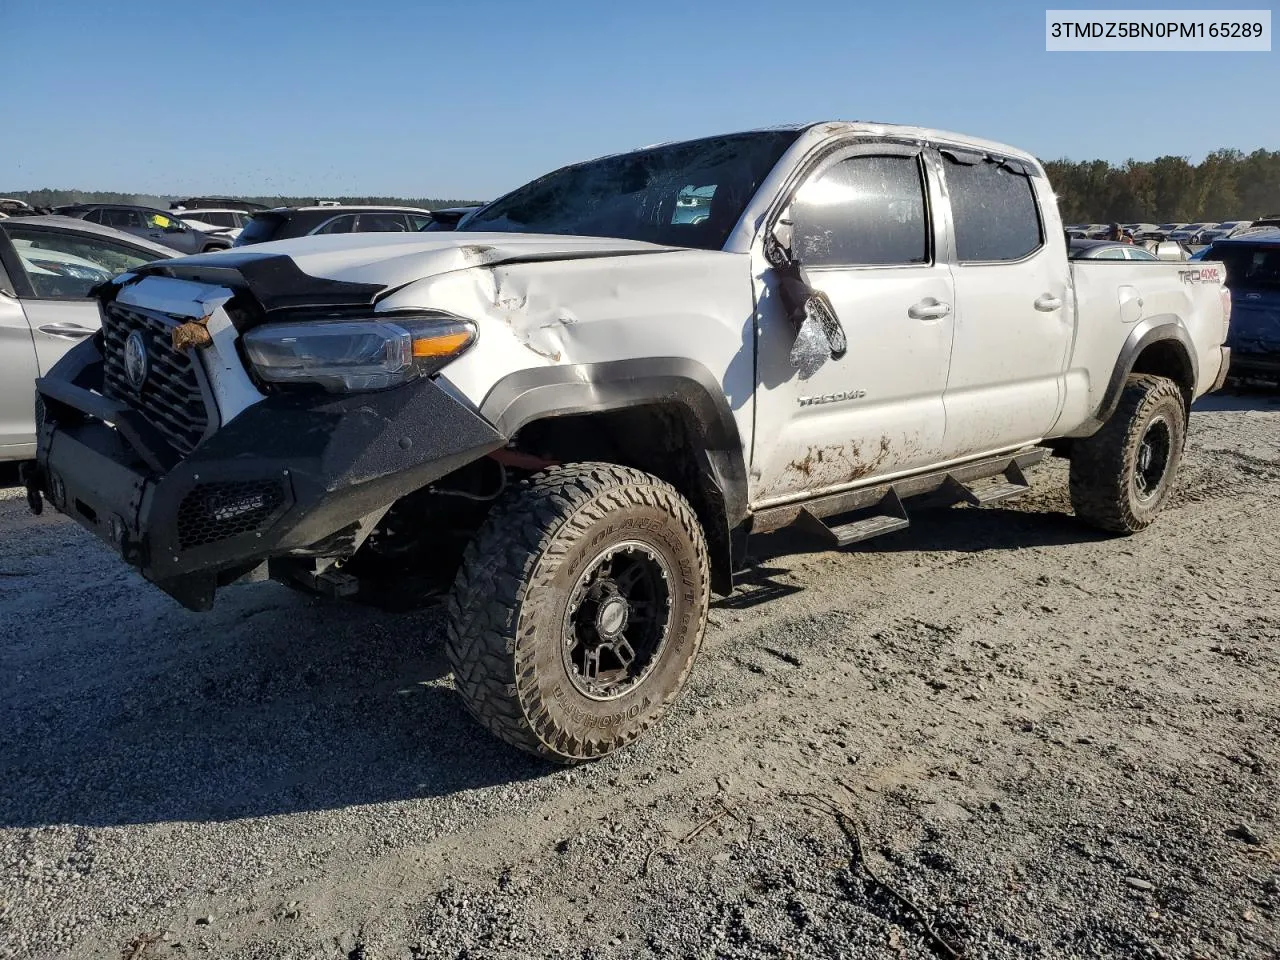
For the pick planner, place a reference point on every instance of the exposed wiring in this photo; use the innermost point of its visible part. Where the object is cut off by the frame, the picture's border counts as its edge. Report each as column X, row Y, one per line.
column 478, row 497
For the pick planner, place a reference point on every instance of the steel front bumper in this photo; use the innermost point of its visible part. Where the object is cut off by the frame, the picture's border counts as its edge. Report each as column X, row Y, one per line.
column 290, row 476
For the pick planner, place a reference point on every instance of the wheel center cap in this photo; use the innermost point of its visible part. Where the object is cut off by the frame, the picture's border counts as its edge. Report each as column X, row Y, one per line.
column 611, row 619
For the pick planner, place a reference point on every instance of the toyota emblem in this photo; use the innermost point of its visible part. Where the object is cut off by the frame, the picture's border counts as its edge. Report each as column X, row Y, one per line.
column 136, row 362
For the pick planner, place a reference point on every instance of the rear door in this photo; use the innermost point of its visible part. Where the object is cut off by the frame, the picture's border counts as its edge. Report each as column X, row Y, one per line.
column 1014, row 319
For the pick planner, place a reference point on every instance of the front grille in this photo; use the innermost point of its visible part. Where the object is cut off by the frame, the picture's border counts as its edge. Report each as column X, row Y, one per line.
column 216, row 511
column 170, row 397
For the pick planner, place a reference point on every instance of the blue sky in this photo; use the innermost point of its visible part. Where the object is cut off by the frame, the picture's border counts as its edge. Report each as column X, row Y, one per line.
column 454, row 99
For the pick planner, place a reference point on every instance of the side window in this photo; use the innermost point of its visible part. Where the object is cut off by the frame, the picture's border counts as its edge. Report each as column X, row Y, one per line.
column 862, row 211
column 94, row 216
column 1110, row 253
column 68, row 265
column 160, row 221
column 417, row 223
column 338, row 225
column 994, row 210
column 121, row 219
column 381, row 223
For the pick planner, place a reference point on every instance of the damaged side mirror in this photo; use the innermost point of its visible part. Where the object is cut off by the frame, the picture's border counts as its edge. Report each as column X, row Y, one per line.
column 820, row 337
column 777, row 246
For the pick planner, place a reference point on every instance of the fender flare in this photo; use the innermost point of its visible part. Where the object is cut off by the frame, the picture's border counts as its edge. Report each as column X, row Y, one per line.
column 1149, row 330
column 546, row 392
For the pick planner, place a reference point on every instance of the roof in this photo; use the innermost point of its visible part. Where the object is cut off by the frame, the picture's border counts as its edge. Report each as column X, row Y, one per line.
column 821, row 129
column 1267, row 235
column 343, row 208
column 56, row 222
column 113, row 206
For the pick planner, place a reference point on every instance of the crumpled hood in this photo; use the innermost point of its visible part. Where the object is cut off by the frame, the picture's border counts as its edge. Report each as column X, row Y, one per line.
column 390, row 260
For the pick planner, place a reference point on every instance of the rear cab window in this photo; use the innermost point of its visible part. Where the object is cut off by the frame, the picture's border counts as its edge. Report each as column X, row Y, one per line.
column 993, row 208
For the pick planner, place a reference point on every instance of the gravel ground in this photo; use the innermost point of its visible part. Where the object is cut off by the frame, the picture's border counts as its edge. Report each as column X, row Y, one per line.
column 1054, row 744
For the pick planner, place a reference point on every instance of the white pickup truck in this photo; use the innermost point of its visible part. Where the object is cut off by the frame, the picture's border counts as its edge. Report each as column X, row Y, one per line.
column 568, row 416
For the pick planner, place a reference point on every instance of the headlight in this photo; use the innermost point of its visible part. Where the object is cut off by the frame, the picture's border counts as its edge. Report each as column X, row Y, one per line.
column 346, row 356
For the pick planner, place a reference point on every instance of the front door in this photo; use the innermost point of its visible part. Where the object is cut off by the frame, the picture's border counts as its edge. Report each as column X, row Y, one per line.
column 863, row 233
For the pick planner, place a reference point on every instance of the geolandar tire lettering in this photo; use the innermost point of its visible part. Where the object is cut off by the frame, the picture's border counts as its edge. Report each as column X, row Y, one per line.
column 579, row 609
column 1123, row 475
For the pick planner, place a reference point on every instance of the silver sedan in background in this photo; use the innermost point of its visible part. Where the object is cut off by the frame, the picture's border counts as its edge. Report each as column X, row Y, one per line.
column 48, row 265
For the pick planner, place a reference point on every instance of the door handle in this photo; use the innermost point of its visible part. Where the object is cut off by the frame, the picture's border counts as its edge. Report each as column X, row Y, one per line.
column 1047, row 303
column 928, row 309
column 67, row 331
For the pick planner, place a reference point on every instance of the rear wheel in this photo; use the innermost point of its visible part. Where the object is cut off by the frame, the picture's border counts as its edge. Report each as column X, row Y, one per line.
column 578, row 610
column 1123, row 475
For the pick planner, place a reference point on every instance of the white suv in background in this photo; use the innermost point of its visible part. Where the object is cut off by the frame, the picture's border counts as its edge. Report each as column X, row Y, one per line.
column 229, row 223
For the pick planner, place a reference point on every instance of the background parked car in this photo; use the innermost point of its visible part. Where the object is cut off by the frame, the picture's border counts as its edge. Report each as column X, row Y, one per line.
column 1228, row 228
column 1107, row 250
column 283, row 223
column 1191, row 232
column 220, row 203
column 16, row 208
column 1163, row 231
column 449, row 217
column 225, row 222
column 159, row 225
column 48, row 264
column 1252, row 262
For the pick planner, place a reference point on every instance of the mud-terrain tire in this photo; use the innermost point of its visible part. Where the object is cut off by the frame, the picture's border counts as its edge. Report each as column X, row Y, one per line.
column 1123, row 475
column 574, row 570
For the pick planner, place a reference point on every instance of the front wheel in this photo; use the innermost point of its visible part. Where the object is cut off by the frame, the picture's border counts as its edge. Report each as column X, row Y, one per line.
column 1122, row 476
column 578, row 610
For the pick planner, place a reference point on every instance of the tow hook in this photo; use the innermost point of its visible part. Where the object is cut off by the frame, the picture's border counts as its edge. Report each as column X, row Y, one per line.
column 29, row 476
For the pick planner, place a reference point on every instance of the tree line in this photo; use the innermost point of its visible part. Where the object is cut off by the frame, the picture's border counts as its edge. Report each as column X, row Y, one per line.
column 1226, row 185
column 60, row 198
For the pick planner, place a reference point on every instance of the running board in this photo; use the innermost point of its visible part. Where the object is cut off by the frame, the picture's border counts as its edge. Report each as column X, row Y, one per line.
column 879, row 508
column 889, row 515
column 1016, row 484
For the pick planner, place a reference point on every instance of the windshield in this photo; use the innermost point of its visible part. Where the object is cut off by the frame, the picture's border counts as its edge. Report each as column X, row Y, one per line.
column 682, row 194
column 259, row 229
column 1249, row 266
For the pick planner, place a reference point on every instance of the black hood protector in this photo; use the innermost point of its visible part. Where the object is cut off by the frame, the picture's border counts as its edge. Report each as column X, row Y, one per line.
column 272, row 279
